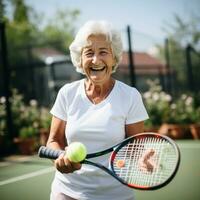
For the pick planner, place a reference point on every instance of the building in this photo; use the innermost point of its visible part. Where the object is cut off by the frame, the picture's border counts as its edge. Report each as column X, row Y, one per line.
column 145, row 67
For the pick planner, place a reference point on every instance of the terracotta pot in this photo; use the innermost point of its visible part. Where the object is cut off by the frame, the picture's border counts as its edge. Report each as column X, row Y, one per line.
column 174, row 131
column 195, row 131
column 26, row 146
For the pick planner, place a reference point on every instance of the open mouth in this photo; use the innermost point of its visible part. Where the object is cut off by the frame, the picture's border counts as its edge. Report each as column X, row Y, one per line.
column 97, row 68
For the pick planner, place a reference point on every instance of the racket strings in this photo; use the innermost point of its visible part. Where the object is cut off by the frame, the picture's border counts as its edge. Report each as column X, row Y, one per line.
column 148, row 161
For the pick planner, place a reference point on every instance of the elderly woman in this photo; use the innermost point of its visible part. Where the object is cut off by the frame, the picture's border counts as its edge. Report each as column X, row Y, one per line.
column 98, row 111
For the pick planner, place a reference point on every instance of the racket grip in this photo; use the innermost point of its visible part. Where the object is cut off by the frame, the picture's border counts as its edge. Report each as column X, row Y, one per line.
column 45, row 152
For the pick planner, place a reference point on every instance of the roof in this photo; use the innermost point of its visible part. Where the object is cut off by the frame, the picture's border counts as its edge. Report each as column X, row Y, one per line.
column 50, row 55
column 143, row 63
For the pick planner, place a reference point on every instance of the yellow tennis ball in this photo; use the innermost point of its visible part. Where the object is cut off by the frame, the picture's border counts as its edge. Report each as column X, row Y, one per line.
column 76, row 152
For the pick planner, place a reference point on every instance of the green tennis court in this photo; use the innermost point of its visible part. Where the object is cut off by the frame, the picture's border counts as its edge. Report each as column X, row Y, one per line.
column 23, row 178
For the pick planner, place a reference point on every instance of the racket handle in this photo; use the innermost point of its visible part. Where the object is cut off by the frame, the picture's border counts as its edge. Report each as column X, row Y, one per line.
column 45, row 152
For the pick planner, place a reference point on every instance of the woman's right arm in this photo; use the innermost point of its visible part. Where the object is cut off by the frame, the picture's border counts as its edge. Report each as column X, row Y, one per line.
column 57, row 140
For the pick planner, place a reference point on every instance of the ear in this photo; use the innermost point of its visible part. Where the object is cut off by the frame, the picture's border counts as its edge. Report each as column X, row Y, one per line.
column 114, row 62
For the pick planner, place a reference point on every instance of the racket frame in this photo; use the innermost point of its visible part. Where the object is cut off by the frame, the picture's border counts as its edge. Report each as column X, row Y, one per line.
column 143, row 135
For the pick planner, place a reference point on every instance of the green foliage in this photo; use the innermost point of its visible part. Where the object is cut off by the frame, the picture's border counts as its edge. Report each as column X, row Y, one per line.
column 28, row 119
column 45, row 118
column 27, row 132
column 24, row 31
column 184, row 111
column 2, row 10
column 20, row 14
column 157, row 103
column 25, row 117
column 20, row 32
column 59, row 30
column 162, row 108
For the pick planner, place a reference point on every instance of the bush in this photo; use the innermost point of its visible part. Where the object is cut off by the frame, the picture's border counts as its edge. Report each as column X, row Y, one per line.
column 28, row 119
column 162, row 108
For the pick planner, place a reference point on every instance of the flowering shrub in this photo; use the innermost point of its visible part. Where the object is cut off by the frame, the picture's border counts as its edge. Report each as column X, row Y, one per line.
column 162, row 108
column 184, row 111
column 45, row 118
column 157, row 104
column 27, row 119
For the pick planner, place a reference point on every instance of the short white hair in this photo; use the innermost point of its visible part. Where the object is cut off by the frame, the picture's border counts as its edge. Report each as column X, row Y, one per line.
column 95, row 28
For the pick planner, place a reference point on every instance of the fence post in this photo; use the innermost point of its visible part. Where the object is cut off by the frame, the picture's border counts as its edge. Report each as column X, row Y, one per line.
column 6, row 81
column 131, row 59
column 189, row 68
column 167, row 58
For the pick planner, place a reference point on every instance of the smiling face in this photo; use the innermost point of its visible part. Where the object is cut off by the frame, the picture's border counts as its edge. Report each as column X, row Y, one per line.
column 97, row 59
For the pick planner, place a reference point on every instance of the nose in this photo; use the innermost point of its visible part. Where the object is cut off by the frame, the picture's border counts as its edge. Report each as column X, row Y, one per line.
column 95, row 59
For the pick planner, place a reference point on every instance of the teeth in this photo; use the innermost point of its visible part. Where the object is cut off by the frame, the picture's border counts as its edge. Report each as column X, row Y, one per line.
column 97, row 68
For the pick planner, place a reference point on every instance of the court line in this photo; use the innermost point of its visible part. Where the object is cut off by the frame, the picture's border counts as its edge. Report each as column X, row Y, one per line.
column 26, row 176
column 187, row 146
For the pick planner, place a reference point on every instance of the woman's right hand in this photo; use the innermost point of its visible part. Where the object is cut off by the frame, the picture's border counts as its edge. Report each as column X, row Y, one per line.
column 64, row 165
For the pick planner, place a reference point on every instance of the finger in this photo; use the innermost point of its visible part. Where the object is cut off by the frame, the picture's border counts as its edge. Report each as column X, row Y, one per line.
column 76, row 166
column 59, row 163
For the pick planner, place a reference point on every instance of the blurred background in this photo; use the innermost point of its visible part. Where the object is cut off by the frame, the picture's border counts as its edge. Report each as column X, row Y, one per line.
column 161, row 59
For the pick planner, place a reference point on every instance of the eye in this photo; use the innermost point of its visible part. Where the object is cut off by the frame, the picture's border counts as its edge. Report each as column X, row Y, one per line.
column 88, row 54
column 103, row 53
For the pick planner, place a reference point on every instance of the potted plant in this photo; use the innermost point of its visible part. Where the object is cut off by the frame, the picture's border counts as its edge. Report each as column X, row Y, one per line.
column 157, row 103
column 27, row 140
column 30, row 122
column 167, row 116
column 25, row 123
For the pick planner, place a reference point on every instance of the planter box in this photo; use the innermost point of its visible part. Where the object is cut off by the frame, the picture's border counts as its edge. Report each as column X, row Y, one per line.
column 26, row 146
column 195, row 131
column 174, row 131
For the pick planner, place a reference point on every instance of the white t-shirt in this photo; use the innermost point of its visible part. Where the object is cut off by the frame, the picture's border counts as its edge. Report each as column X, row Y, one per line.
column 98, row 127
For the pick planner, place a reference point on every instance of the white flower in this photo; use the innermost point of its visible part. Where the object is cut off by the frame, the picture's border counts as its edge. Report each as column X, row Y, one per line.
column 33, row 102
column 173, row 106
column 147, row 95
column 156, row 96
column 35, row 125
column 188, row 101
column 183, row 96
column 168, row 97
column 2, row 100
column 22, row 108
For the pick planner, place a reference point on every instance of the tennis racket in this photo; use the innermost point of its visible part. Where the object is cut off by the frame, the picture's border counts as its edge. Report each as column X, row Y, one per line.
column 145, row 161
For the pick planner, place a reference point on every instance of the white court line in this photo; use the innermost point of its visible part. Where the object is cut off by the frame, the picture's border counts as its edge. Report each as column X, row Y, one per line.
column 26, row 176
column 186, row 146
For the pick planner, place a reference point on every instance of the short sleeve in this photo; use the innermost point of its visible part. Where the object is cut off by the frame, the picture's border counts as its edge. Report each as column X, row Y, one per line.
column 137, row 111
column 59, row 108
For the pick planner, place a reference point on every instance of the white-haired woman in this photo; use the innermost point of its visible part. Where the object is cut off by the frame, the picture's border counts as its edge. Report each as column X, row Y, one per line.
column 98, row 111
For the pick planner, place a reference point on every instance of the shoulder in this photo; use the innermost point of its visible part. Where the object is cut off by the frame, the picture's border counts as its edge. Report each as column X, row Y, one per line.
column 68, row 91
column 70, row 88
column 127, row 90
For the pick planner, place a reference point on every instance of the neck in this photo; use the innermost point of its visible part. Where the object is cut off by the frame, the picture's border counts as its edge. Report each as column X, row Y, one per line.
column 98, row 92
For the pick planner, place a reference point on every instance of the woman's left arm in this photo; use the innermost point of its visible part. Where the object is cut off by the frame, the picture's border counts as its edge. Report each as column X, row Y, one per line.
column 132, row 129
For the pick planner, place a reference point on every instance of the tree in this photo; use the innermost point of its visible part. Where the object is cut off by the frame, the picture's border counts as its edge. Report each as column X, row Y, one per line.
column 2, row 10
column 21, row 11
column 60, row 29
